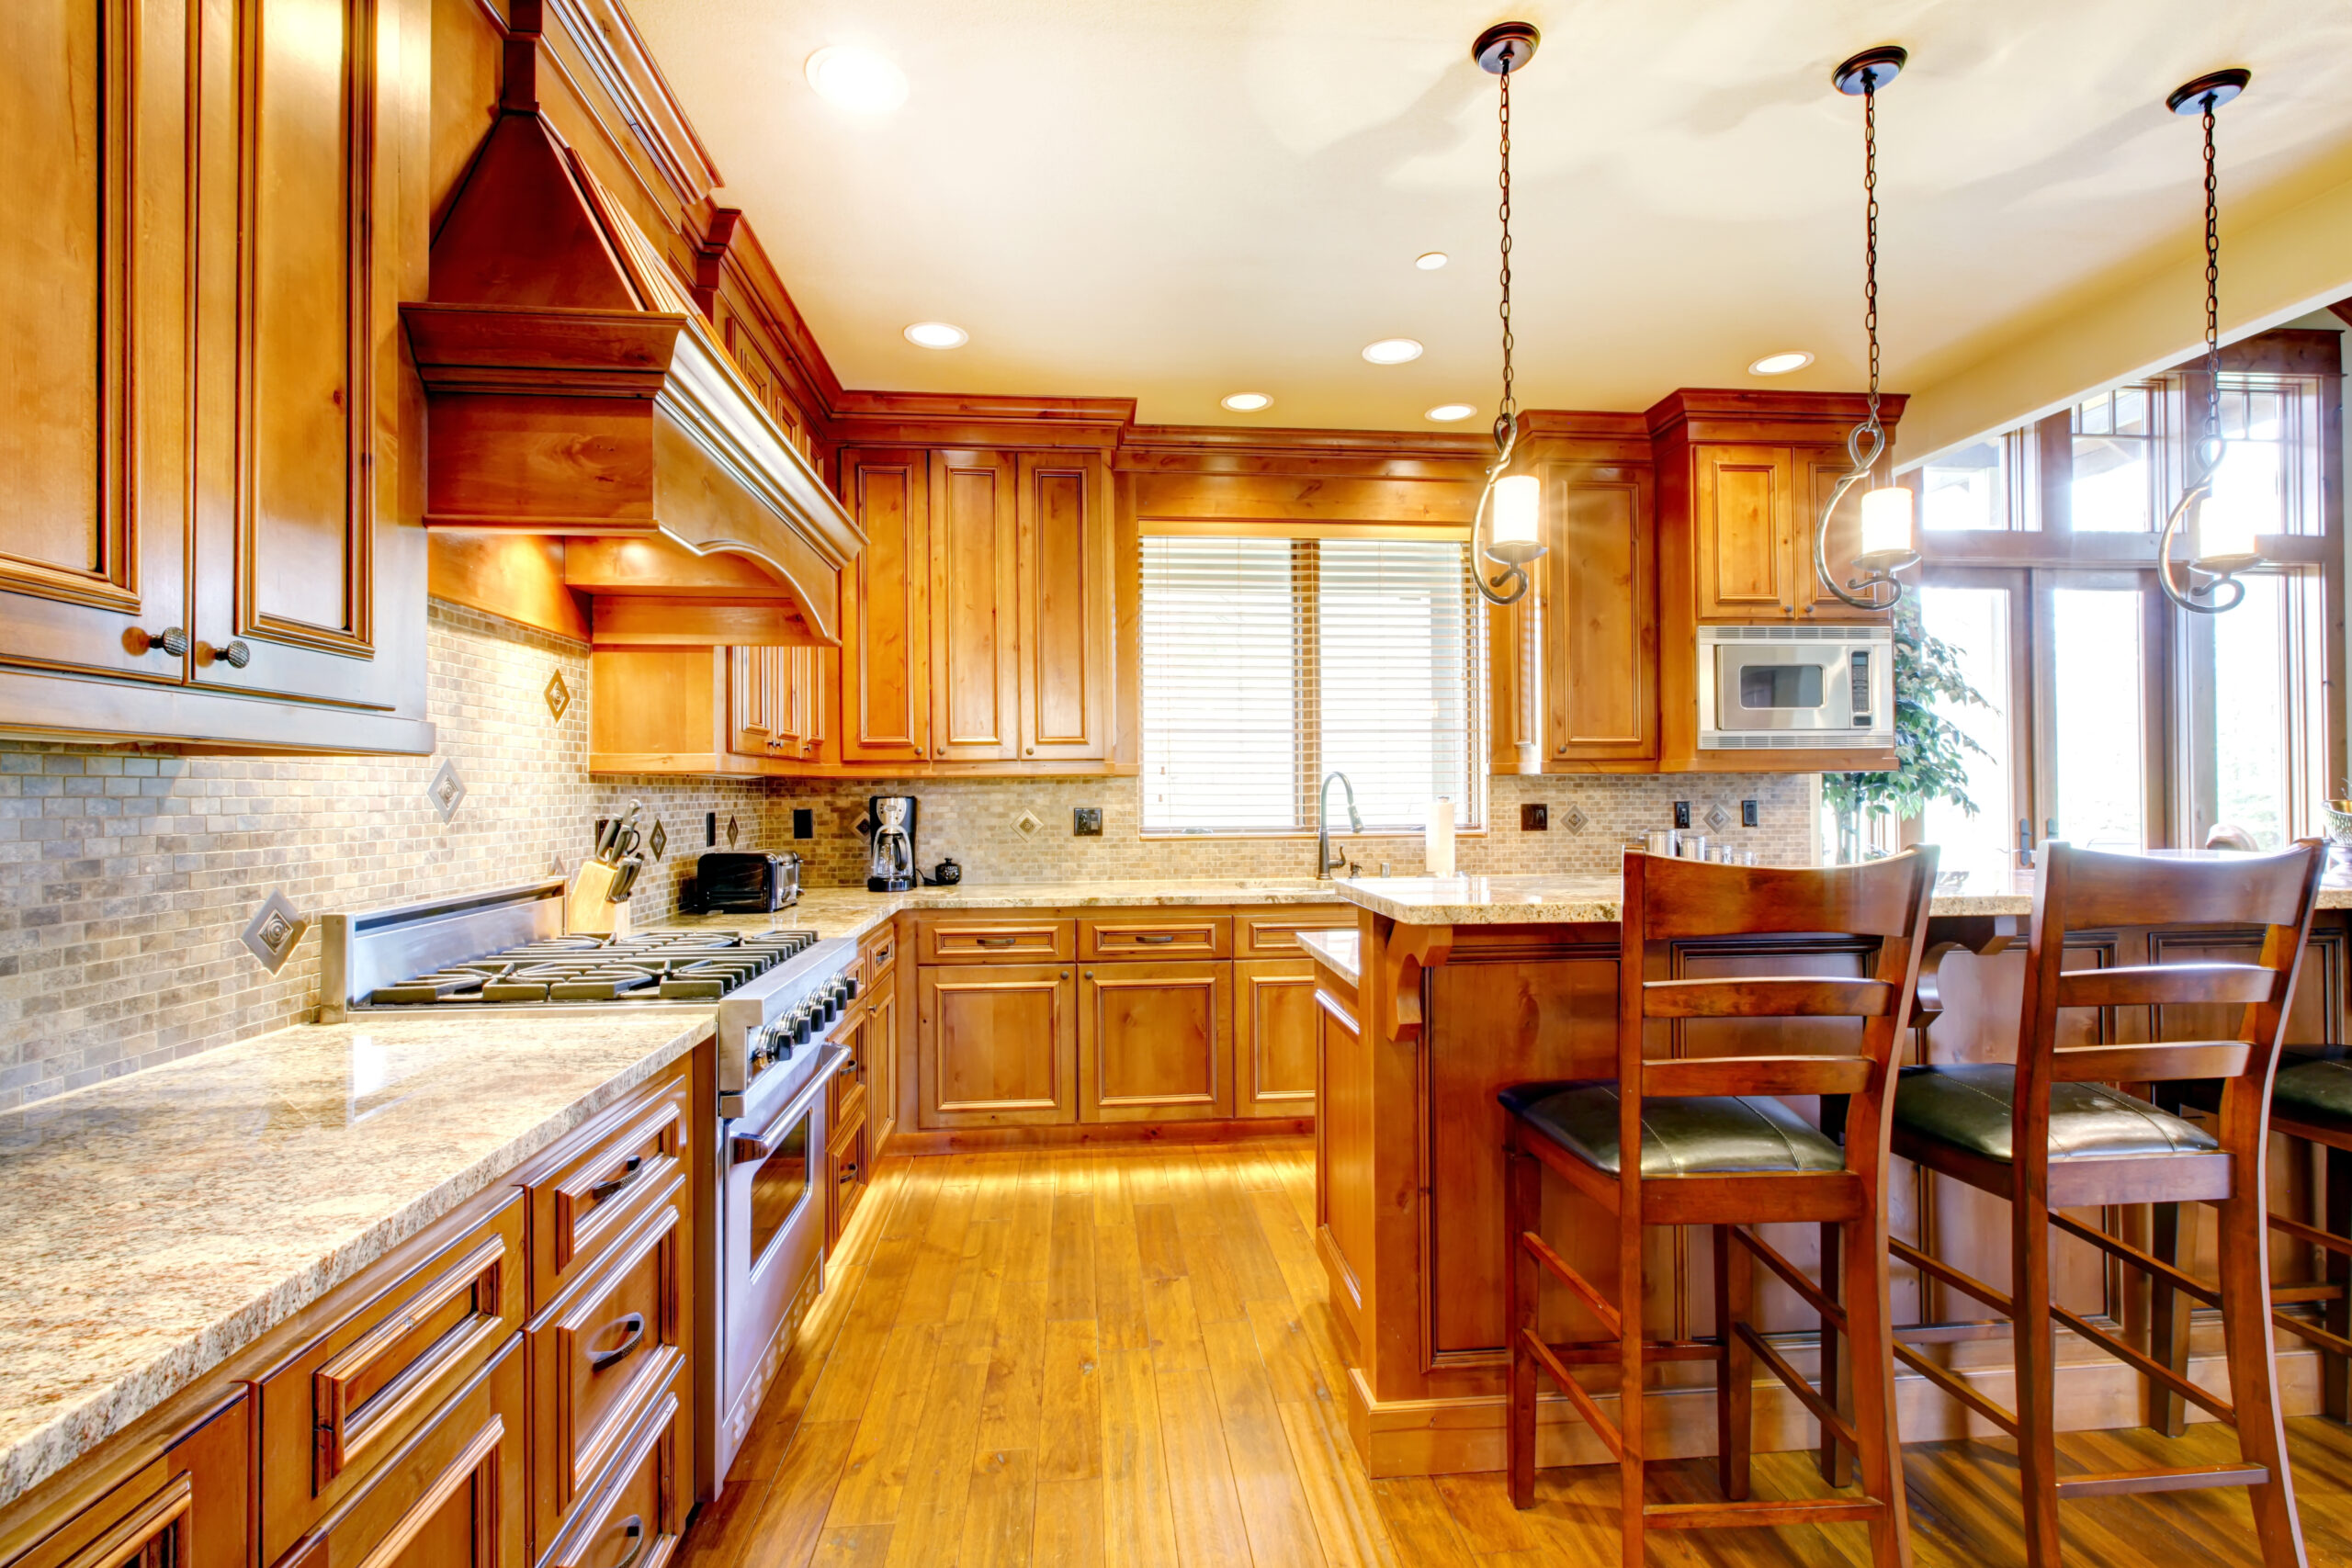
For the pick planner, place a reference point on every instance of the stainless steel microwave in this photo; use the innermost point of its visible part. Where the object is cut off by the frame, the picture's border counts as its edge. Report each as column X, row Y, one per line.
column 1795, row 688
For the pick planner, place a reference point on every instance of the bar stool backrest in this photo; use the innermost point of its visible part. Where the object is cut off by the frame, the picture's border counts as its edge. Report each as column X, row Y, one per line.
column 2078, row 890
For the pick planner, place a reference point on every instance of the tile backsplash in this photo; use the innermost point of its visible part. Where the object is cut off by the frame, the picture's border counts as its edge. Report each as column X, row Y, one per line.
column 126, row 874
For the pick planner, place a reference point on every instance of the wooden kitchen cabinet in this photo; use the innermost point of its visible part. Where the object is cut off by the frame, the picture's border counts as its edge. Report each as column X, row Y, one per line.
column 781, row 700
column 1599, row 581
column 1064, row 576
column 882, row 1052
column 973, row 629
column 886, row 608
column 1273, row 1037
column 1817, row 470
column 187, row 1508
column 1154, row 1042
column 201, row 201
column 1742, row 517
column 996, row 1045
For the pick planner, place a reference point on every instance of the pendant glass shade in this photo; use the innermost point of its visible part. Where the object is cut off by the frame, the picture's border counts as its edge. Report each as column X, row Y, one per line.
column 1519, row 503
column 1886, row 526
column 2225, row 524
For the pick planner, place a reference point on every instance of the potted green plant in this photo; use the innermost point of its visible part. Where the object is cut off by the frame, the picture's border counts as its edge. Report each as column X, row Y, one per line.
column 1930, row 751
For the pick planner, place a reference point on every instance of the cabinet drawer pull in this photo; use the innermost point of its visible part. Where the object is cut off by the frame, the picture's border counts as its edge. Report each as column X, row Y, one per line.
column 171, row 640
column 996, row 940
column 235, row 653
column 635, row 1324
column 1154, row 936
column 630, row 1170
column 346, row 1424
column 632, row 1530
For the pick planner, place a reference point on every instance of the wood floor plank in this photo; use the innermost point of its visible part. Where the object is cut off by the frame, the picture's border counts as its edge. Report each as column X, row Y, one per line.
column 1138, row 1527
column 1156, row 1243
column 1069, row 1529
column 1201, row 1495
column 1070, row 1445
column 1000, row 1513
column 1273, row 1506
column 883, row 1451
column 929, row 1529
column 1071, row 1271
column 792, row 1513
column 1419, row 1523
column 1014, row 1399
column 1292, row 1372
column 1339, row 1494
column 1176, row 1343
column 853, row 1546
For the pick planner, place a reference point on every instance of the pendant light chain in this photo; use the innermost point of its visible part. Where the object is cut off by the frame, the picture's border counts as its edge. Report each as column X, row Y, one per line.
column 1506, row 412
column 2212, row 284
column 1870, row 228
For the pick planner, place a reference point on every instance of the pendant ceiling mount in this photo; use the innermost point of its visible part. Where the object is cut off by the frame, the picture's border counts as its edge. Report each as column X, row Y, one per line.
column 2210, row 91
column 1871, row 70
column 1505, row 46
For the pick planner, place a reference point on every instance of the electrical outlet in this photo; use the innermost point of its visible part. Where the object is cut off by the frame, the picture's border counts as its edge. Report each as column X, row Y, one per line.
column 1747, row 814
column 803, row 822
column 1682, row 814
column 1086, row 821
column 1534, row 817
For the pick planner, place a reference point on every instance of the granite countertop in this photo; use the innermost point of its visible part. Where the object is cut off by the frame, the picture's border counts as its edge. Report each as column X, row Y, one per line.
column 852, row 911
column 156, row 1223
column 1529, row 900
column 1340, row 952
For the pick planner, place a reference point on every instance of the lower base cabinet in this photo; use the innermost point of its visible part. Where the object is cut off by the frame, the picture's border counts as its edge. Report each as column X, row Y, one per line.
column 190, row 1508
column 1154, row 1042
column 1273, row 1037
column 453, row 1498
column 996, row 1044
column 638, row 1516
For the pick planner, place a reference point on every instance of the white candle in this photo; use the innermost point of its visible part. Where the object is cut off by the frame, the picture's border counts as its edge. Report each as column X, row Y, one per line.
column 1519, row 505
column 1886, row 522
column 1438, row 837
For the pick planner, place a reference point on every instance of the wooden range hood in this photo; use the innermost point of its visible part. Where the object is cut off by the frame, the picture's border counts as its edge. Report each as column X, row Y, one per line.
column 573, row 392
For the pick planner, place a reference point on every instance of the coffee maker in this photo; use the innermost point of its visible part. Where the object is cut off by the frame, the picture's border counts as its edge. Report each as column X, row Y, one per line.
column 890, row 844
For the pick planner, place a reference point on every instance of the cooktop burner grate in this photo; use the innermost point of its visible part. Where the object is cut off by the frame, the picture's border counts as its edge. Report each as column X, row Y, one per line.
column 656, row 966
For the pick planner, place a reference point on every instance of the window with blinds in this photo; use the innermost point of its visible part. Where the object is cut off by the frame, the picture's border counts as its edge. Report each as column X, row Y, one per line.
column 1267, row 661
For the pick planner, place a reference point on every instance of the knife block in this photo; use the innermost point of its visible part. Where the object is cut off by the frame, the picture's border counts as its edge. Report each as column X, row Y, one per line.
column 588, row 908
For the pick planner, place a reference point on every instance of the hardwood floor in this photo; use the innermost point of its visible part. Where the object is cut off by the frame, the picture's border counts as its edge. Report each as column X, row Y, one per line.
column 1123, row 1356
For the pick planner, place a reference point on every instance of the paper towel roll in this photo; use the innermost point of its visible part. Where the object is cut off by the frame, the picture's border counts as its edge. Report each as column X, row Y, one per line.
column 1438, row 837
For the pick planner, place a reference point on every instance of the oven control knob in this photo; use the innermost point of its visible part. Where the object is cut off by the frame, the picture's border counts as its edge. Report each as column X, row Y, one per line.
column 803, row 1025
column 849, row 988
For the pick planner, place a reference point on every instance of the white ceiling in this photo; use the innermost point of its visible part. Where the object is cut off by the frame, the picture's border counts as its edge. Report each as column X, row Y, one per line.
column 1175, row 199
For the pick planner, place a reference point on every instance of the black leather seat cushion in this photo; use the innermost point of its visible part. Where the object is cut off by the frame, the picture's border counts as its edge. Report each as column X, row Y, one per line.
column 1969, row 1108
column 1713, row 1134
column 2312, row 1087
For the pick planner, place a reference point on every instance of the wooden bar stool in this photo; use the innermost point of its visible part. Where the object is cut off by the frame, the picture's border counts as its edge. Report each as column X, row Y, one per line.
column 1716, row 1146
column 2051, row 1134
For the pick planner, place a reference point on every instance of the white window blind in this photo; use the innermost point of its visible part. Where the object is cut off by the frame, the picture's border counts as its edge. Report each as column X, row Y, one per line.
column 1267, row 662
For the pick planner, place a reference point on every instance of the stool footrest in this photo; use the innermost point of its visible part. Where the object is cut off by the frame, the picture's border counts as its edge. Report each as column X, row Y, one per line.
column 2334, row 1343
column 1558, row 1266
column 1584, row 1405
column 1823, row 1411
column 2109, row 1483
column 1953, row 1384
column 1735, row 1515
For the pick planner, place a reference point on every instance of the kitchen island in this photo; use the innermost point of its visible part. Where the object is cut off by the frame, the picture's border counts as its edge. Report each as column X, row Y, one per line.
column 1449, row 988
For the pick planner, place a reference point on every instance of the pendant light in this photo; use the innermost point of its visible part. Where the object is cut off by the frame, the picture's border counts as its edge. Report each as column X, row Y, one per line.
column 1886, row 543
column 1516, row 501
column 2224, row 545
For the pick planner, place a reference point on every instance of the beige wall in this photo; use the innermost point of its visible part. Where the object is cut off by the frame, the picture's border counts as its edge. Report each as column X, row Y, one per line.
column 126, row 878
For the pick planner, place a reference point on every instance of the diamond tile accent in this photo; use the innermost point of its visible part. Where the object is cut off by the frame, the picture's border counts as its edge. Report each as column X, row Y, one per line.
column 1717, row 818
column 1028, row 824
column 659, row 842
column 730, row 832
column 1574, row 819
column 448, row 791
column 558, row 695
column 273, row 933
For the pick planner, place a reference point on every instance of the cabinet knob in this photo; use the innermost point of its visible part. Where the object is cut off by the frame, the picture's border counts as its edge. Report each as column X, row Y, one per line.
column 235, row 653
column 171, row 640
column 1031, row 750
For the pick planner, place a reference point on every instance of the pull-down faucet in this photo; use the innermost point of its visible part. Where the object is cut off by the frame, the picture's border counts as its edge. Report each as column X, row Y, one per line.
column 1323, row 861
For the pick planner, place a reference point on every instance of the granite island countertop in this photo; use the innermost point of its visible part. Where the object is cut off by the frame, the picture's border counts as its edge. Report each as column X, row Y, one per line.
column 154, row 1225
column 852, row 911
column 1600, row 900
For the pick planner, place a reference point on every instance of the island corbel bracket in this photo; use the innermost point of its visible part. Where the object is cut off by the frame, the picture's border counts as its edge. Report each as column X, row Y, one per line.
column 1405, row 951
column 1982, row 935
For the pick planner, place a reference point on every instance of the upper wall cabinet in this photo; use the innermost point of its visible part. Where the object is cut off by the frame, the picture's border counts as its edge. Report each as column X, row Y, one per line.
column 204, row 249
column 976, row 624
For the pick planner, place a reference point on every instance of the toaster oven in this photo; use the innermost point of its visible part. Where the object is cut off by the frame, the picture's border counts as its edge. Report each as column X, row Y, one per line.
column 750, row 883
column 1796, row 687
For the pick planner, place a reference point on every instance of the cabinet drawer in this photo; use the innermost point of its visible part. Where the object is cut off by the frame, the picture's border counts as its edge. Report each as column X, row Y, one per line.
column 1275, row 935
column 588, row 1189
column 453, row 1495
column 998, row 942
column 639, row 1510
column 1152, row 934
column 331, row 1413
column 601, row 1354
column 880, row 951
column 846, row 1173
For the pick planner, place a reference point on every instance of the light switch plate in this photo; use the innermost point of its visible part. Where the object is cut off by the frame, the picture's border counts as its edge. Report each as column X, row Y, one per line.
column 1534, row 817
column 1086, row 821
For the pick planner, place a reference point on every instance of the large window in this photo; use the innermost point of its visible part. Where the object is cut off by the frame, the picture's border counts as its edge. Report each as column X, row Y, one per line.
column 1269, row 661
column 2114, row 720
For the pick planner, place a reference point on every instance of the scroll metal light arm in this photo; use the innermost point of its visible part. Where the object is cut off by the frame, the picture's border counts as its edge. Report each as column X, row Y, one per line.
column 1878, row 568
column 1510, row 585
column 2209, row 577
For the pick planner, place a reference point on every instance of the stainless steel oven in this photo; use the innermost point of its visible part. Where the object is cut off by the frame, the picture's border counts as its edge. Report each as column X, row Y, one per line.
column 1796, row 687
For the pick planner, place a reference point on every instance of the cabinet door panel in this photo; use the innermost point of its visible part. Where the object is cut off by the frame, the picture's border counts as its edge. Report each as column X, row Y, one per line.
column 886, row 624
column 1820, row 467
column 1742, row 532
column 996, row 1045
column 972, row 622
column 295, row 279
column 1156, row 1042
column 1273, row 1037
column 189, row 1510
column 93, row 326
column 1601, row 610
column 1065, row 592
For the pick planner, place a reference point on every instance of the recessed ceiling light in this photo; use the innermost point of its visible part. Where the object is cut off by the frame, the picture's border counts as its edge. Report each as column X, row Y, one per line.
column 937, row 334
column 1780, row 363
column 1247, row 402
column 1392, row 351
column 857, row 79
column 1446, row 413
column 1429, row 261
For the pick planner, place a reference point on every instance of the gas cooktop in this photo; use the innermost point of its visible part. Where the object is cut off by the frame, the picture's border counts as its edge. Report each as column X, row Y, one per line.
column 650, row 967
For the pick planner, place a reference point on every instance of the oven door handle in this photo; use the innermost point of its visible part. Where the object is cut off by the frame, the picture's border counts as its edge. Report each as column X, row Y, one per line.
column 747, row 1148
